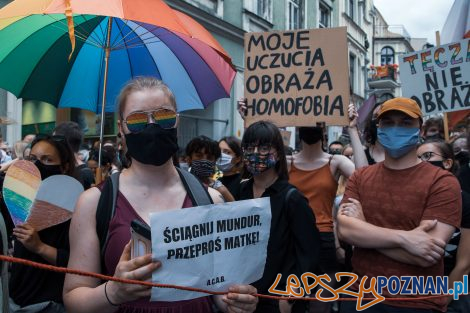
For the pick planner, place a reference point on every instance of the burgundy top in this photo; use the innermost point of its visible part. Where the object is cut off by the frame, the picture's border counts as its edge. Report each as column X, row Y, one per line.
column 119, row 236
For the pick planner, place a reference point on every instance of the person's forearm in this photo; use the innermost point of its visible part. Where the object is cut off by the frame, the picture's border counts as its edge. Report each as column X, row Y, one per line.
column 362, row 234
column 48, row 253
column 360, row 159
column 87, row 299
column 403, row 256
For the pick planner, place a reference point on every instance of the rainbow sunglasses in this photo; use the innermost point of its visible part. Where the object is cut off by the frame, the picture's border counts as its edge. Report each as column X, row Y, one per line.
column 137, row 121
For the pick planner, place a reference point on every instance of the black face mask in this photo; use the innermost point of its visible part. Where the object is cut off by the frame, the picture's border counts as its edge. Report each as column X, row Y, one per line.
column 202, row 168
column 47, row 170
column 153, row 146
column 438, row 164
column 310, row 135
column 463, row 157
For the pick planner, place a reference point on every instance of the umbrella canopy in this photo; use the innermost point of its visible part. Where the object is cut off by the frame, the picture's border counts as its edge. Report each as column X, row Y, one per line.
column 146, row 38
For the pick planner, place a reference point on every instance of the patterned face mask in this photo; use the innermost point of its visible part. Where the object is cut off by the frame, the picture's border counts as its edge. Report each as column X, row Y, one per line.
column 202, row 168
column 257, row 163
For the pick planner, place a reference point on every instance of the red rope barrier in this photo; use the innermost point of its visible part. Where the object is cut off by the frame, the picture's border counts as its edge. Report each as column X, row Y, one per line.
column 146, row 283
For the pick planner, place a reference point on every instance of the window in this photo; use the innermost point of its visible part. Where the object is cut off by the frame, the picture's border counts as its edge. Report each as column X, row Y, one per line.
column 352, row 72
column 351, row 9
column 262, row 8
column 325, row 16
column 387, row 56
column 295, row 11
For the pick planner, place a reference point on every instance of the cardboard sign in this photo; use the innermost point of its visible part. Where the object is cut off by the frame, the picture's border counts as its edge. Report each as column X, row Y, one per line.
column 210, row 247
column 438, row 79
column 55, row 201
column 297, row 77
column 20, row 187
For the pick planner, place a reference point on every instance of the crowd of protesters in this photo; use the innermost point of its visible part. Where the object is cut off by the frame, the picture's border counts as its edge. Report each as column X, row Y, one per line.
column 393, row 199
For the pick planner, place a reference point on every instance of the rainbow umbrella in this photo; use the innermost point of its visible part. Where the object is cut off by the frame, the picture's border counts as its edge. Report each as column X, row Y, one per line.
column 80, row 53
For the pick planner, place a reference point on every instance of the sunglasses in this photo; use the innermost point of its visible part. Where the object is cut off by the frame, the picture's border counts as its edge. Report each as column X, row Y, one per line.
column 137, row 121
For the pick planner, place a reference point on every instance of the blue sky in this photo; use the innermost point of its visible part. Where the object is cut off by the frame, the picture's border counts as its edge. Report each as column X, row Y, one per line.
column 420, row 17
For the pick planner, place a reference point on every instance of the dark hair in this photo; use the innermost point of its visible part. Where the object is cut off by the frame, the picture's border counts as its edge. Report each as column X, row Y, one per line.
column 370, row 127
column 436, row 122
column 234, row 144
column 266, row 133
column 336, row 143
column 210, row 147
column 445, row 150
column 72, row 132
column 67, row 157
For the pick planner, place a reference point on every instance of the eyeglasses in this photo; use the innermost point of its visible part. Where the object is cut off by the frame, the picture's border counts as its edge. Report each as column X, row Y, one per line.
column 137, row 121
column 428, row 155
column 262, row 149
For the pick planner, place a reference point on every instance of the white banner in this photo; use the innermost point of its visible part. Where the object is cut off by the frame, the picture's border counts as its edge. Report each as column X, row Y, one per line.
column 210, row 247
column 438, row 78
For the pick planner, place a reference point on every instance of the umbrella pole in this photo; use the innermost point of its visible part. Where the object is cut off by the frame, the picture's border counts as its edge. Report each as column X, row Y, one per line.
column 107, row 50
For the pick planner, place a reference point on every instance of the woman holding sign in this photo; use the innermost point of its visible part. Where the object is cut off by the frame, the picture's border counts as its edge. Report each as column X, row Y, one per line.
column 41, row 290
column 147, row 125
column 294, row 242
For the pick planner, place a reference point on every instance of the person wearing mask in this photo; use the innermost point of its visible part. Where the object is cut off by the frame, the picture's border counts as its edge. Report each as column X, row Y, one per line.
column 148, row 127
column 201, row 154
column 294, row 243
column 315, row 174
column 461, row 148
column 433, row 128
column 374, row 152
column 230, row 163
column 32, row 289
column 336, row 147
column 399, row 214
column 457, row 256
column 74, row 135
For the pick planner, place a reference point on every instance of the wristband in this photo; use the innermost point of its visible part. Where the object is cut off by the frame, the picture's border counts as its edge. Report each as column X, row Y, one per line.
column 106, row 294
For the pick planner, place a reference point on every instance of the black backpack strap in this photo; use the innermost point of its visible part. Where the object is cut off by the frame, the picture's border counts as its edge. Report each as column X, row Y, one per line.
column 196, row 191
column 106, row 209
column 288, row 194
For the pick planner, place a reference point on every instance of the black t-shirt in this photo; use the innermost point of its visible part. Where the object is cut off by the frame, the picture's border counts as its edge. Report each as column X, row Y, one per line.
column 85, row 175
column 30, row 285
column 294, row 242
column 232, row 182
column 452, row 246
column 464, row 177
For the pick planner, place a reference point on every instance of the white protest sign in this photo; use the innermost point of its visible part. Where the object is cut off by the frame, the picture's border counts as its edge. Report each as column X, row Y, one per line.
column 438, row 79
column 210, row 247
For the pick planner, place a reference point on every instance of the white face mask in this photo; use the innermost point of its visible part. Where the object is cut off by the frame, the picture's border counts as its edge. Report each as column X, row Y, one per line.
column 224, row 163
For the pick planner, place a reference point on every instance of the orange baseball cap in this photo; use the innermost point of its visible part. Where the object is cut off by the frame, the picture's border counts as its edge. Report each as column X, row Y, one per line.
column 405, row 105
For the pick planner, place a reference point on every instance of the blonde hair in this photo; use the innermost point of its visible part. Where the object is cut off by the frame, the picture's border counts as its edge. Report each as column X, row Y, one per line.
column 139, row 84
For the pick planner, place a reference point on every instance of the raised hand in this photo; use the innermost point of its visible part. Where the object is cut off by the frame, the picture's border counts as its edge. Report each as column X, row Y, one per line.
column 241, row 106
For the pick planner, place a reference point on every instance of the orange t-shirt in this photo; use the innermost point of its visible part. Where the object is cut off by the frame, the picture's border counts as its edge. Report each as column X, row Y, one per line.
column 319, row 187
column 401, row 199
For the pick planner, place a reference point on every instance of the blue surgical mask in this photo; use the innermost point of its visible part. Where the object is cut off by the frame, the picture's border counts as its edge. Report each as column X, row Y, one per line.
column 224, row 163
column 398, row 141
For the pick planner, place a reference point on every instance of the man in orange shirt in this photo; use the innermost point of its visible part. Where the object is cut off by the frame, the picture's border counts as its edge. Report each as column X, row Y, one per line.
column 399, row 213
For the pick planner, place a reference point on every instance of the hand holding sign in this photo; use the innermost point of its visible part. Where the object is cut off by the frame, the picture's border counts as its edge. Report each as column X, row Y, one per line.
column 209, row 247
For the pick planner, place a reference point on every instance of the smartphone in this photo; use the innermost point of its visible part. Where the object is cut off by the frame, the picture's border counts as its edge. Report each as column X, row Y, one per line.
column 140, row 239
